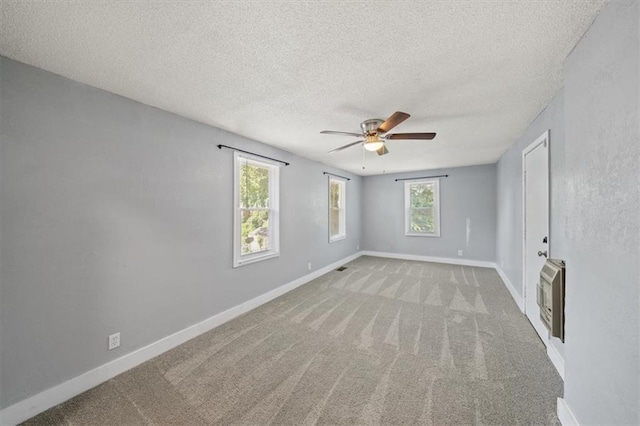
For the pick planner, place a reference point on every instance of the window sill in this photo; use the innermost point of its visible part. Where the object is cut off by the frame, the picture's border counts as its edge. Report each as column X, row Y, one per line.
column 338, row 238
column 432, row 235
column 255, row 259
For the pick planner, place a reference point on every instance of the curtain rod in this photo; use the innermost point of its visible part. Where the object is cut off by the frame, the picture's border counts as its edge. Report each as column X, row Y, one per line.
column 343, row 177
column 423, row 177
column 253, row 153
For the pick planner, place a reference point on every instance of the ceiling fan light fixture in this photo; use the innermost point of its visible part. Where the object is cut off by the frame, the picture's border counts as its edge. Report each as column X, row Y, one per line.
column 373, row 143
column 373, row 146
column 376, row 132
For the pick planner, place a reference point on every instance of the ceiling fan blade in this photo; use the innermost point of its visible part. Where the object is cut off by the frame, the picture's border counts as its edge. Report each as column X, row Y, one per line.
column 383, row 150
column 391, row 122
column 415, row 136
column 345, row 146
column 331, row 132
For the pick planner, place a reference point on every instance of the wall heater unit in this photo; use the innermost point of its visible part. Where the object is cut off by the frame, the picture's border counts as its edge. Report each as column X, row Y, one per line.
column 551, row 297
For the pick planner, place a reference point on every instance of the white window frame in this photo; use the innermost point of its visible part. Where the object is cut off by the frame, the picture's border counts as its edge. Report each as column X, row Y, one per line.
column 274, row 214
column 342, row 234
column 436, row 208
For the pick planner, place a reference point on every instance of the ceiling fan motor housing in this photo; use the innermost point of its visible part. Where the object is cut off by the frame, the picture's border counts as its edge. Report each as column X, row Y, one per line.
column 375, row 134
column 370, row 127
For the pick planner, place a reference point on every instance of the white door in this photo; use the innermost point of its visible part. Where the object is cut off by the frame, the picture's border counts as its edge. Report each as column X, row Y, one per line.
column 535, row 162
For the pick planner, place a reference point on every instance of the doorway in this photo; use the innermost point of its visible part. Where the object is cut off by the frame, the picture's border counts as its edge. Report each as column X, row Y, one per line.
column 535, row 197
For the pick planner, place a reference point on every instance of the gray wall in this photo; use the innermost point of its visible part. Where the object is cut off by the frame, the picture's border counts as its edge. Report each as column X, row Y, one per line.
column 602, row 156
column 118, row 217
column 509, row 208
column 468, row 193
column 595, row 191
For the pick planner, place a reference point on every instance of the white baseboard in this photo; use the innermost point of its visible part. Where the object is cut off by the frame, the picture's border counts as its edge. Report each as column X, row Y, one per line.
column 565, row 415
column 38, row 403
column 448, row 260
column 556, row 359
column 516, row 296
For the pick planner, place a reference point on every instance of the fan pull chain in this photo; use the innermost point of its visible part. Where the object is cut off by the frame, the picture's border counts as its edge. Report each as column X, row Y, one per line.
column 362, row 156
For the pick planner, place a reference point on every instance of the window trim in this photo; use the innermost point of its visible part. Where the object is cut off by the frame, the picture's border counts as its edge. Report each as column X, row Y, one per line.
column 343, row 212
column 407, row 209
column 274, row 211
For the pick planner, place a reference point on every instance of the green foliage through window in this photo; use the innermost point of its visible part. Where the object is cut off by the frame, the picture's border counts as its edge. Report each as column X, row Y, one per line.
column 421, row 204
column 254, row 185
column 254, row 207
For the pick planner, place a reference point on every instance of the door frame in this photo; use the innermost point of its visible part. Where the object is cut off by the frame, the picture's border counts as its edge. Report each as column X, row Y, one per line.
column 544, row 138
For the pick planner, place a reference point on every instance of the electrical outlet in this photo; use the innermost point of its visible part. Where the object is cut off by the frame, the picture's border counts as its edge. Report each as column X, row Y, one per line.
column 309, row 266
column 459, row 252
column 114, row 340
column 358, row 247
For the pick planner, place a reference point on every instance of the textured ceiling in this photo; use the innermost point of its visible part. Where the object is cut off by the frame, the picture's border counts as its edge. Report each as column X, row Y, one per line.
column 475, row 72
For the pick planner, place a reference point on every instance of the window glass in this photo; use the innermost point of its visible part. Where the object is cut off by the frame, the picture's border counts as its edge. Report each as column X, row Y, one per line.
column 337, row 216
column 256, row 210
column 422, row 208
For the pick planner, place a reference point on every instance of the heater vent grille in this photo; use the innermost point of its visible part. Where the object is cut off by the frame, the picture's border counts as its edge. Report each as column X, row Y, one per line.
column 551, row 296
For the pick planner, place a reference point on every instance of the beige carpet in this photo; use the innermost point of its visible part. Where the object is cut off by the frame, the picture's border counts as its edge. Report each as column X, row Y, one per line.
column 383, row 342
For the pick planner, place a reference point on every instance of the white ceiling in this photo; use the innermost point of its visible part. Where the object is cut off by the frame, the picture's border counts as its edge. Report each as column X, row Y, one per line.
column 475, row 72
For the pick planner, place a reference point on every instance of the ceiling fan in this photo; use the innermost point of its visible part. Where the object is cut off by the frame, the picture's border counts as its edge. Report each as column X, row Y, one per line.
column 374, row 133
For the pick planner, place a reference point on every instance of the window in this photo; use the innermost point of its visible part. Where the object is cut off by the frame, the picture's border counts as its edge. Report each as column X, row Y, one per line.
column 256, row 219
column 422, row 208
column 337, row 225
